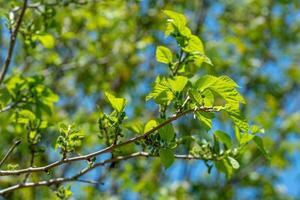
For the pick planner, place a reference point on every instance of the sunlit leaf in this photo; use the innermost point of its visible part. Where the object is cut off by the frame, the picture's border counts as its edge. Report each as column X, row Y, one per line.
column 177, row 83
column 150, row 125
column 117, row 103
column 194, row 45
column 46, row 40
column 163, row 55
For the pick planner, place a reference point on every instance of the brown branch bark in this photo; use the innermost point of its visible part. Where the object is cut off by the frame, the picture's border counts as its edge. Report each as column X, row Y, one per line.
column 11, row 149
column 105, row 150
column 86, row 170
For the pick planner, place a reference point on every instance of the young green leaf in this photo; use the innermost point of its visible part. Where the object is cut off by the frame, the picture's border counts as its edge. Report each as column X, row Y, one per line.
column 135, row 126
column 164, row 55
column 176, row 18
column 224, row 166
column 246, row 137
column 117, row 103
column 167, row 133
column 223, row 85
column 27, row 114
column 161, row 92
column 205, row 98
column 235, row 114
column 260, row 145
column 198, row 59
column 223, row 138
column 46, row 40
column 177, row 83
column 205, row 82
column 205, row 118
column 177, row 24
column 166, row 157
column 150, row 125
column 194, row 45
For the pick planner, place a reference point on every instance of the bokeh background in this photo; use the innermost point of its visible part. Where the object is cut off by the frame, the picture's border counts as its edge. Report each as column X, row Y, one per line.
column 98, row 45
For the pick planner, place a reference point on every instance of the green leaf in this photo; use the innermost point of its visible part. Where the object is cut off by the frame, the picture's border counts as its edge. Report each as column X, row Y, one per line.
column 246, row 137
column 234, row 163
column 260, row 145
column 205, row 98
column 223, row 138
column 161, row 92
column 69, row 138
column 63, row 193
column 163, row 55
column 166, row 157
column 135, row 126
column 235, row 114
column 177, row 83
column 237, row 133
column 176, row 18
column 24, row 116
column 15, row 84
column 205, row 82
column 256, row 130
column 46, row 40
column 27, row 114
column 194, row 45
column 205, row 118
column 150, row 125
column 167, row 133
column 224, row 166
column 198, row 59
column 223, row 85
column 117, row 103
column 177, row 24
column 44, row 124
column 50, row 97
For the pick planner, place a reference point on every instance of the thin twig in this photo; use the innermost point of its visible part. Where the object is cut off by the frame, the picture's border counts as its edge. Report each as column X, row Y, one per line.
column 89, row 181
column 7, row 108
column 86, row 170
column 105, row 150
column 12, row 42
column 31, row 165
column 12, row 105
column 178, row 64
column 11, row 149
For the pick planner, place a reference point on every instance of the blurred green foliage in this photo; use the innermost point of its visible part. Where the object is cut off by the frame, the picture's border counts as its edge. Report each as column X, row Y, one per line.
column 70, row 52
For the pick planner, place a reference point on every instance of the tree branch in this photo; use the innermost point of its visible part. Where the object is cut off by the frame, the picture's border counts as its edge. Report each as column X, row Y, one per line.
column 11, row 149
column 105, row 150
column 86, row 170
column 12, row 42
column 7, row 108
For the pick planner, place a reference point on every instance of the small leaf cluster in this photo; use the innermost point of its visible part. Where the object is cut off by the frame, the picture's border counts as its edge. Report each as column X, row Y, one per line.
column 110, row 124
column 69, row 139
column 28, row 93
column 63, row 193
column 31, row 99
